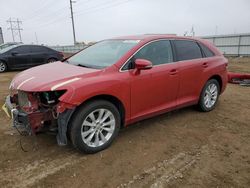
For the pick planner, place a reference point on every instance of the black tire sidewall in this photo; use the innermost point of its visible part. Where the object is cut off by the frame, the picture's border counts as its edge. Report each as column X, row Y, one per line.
column 202, row 105
column 78, row 118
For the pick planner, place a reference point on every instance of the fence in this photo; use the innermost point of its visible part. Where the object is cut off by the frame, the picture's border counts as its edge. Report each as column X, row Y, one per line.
column 70, row 48
column 232, row 45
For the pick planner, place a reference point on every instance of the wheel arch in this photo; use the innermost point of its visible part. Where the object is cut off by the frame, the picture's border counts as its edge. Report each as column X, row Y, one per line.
column 218, row 78
column 4, row 61
column 114, row 100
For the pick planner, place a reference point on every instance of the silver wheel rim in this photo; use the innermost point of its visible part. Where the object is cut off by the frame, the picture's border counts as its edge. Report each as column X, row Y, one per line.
column 2, row 67
column 98, row 127
column 211, row 95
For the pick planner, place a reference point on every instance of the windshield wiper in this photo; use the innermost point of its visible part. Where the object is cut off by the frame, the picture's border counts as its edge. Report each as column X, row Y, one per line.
column 81, row 65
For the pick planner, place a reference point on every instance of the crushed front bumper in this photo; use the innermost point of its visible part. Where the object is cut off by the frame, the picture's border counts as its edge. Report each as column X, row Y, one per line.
column 20, row 119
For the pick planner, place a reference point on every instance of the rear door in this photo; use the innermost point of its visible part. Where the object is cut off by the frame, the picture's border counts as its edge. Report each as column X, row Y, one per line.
column 191, row 67
column 39, row 55
column 19, row 57
column 154, row 90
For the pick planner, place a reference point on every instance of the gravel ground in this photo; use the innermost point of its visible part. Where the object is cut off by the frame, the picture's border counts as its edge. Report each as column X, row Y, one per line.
column 184, row 148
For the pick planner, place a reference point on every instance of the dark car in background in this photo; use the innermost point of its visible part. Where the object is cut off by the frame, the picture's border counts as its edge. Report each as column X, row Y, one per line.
column 25, row 56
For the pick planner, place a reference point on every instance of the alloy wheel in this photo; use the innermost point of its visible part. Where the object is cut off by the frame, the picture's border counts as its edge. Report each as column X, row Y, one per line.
column 211, row 95
column 2, row 67
column 98, row 127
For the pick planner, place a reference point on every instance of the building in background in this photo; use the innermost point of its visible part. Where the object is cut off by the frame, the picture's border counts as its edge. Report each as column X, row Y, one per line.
column 232, row 45
column 1, row 36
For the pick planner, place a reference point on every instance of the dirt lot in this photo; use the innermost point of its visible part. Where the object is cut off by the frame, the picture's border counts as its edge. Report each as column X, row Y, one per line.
column 184, row 148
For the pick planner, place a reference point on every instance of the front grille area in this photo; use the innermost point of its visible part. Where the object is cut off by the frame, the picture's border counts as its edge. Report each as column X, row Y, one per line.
column 23, row 99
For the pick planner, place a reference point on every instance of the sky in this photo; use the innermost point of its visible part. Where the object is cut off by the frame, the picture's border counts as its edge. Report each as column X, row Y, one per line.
column 49, row 21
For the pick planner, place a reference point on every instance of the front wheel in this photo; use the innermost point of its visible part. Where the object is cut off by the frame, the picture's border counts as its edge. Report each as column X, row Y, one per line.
column 209, row 95
column 3, row 66
column 94, row 126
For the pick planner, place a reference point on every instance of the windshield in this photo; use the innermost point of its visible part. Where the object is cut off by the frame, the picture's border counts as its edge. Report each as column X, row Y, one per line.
column 102, row 54
column 7, row 48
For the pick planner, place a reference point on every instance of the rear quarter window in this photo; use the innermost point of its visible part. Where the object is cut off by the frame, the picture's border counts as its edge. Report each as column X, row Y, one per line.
column 39, row 49
column 187, row 50
column 207, row 52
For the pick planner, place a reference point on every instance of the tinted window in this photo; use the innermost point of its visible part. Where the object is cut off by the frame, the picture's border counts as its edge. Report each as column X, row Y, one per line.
column 186, row 50
column 159, row 52
column 38, row 49
column 9, row 48
column 22, row 49
column 207, row 52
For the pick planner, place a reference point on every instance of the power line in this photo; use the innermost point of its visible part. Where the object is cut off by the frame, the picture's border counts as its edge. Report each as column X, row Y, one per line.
column 108, row 5
column 45, row 4
column 15, row 29
column 99, row 7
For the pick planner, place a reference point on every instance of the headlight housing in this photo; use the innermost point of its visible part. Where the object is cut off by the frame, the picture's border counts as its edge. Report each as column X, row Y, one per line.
column 51, row 97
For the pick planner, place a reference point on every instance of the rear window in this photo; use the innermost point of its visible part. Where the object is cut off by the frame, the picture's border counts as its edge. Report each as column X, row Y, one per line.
column 207, row 52
column 186, row 50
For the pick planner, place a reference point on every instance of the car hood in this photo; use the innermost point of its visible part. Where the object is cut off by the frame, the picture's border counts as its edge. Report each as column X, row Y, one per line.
column 51, row 76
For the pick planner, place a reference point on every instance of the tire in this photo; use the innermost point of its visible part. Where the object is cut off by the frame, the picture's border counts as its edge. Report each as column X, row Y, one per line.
column 209, row 96
column 89, row 136
column 3, row 67
column 51, row 60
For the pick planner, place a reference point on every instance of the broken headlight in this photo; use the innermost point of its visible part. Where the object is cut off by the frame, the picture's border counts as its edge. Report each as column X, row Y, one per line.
column 51, row 97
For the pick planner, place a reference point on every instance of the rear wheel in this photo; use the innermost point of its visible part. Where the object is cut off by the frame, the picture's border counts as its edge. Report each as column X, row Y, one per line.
column 94, row 126
column 51, row 60
column 209, row 95
column 3, row 66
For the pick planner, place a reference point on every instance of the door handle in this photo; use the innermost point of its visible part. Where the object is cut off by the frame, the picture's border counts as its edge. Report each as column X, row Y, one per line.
column 173, row 72
column 205, row 64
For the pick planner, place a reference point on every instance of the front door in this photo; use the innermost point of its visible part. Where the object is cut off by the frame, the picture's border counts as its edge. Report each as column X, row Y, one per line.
column 19, row 57
column 155, row 90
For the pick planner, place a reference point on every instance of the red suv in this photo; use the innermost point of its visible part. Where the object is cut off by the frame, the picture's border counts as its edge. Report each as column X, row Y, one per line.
column 88, row 97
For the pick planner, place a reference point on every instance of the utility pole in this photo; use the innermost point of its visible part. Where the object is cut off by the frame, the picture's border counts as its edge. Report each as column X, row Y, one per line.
column 192, row 31
column 15, row 28
column 36, row 38
column 19, row 30
column 72, row 18
column 11, row 28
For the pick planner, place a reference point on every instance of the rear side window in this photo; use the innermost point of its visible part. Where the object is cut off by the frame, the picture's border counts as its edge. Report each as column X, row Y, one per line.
column 158, row 52
column 39, row 49
column 207, row 52
column 187, row 49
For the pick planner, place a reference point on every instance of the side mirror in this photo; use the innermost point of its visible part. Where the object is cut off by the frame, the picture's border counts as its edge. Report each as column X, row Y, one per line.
column 14, row 53
column 143, row 64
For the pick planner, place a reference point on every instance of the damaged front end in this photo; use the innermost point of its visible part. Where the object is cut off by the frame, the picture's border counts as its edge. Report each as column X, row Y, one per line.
column 34, row 112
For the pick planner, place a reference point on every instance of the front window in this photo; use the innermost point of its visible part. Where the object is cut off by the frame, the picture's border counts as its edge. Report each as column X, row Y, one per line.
column 7, row 48
column 157, row 52
column 102, row 54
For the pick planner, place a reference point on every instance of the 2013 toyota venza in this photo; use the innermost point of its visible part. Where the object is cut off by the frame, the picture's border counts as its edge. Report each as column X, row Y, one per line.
column 88, row 97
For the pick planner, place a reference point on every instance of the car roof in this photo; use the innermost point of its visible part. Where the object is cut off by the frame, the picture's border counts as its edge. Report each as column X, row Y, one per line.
column 150, row 37
column 155, row 37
